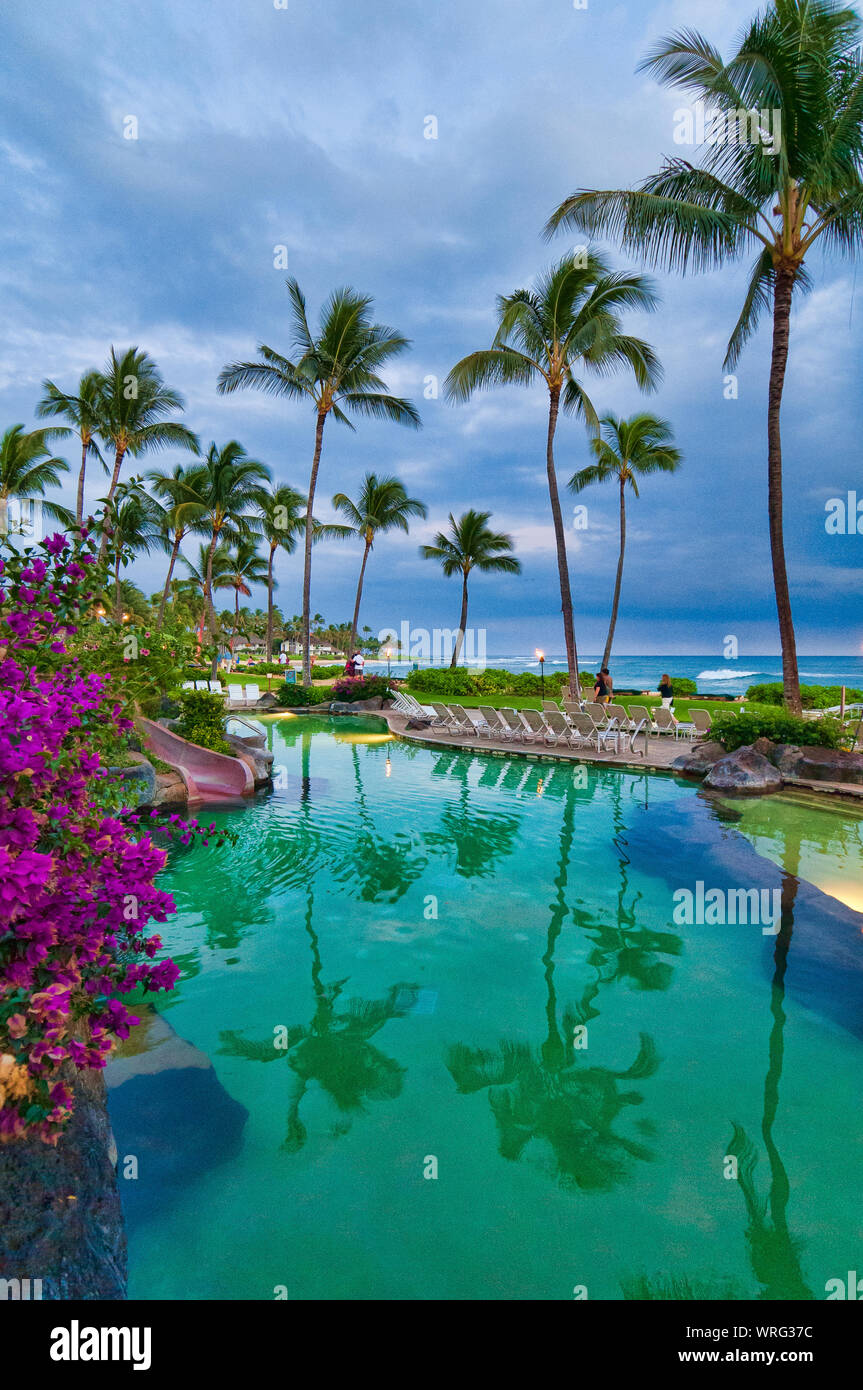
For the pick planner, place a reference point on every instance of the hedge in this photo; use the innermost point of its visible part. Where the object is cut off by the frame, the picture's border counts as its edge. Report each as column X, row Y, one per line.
column 738, row 730
column 811, row 696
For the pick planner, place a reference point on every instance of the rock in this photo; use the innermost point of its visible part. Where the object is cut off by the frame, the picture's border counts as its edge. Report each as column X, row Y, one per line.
column 744, row 773
column 60, row 1216
column 170, row 790
column 699, row 759
column 786, row 757
column 139, row 782
column 267, row 700
column 824, row 765
column 418, row 724
column 766, row 747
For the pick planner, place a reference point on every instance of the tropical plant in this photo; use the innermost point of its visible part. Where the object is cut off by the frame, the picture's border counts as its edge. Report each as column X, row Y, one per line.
column 83, row 412
column 570, row 322
column 382, row 505
column 231, row 485
column 131, row 522
column 245, row 567
column 779, row 196
column 207, row 575
column 740, row 730
column 134, row 410
column 202, row 720
column 337, row 371
column 470, row 545
column 181, row 490
column 27, row 467
column 626, row 450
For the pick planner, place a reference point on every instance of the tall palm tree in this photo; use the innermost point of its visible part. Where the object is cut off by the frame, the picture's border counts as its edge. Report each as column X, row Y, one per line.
column 626, row 450
column 337, row 371
column 245, row 567
column 798, row 59
column 182, row 490
column 135, row 407
column 470, row 545
column 131, row 521
column 382, row 505
column 570, row 322
column 282, row 511
column 233, row 484
column 83, row 411
column 27, row 467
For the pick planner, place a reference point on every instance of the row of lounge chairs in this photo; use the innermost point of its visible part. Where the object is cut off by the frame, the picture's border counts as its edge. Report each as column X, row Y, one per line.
column 236, row 696
column 572, row 725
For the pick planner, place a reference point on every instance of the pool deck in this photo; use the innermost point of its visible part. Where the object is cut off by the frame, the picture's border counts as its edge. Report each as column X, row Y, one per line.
column 660, row 754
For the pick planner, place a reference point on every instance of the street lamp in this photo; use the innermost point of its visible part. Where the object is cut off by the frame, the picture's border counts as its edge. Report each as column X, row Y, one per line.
column 541, row 658
column 389, row 652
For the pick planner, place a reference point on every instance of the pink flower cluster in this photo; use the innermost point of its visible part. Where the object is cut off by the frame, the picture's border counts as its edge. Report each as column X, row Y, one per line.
column 76, row 882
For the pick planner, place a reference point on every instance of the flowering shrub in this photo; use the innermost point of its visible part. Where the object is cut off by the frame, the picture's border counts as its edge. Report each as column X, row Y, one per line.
column 76, row 883
column 146, row 663
column 352, row 688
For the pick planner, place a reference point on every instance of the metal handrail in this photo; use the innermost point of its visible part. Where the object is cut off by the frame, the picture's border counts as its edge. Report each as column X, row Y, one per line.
column 642, row 724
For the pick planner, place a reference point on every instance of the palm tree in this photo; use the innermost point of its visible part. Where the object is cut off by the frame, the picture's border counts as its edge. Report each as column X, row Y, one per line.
column 470, row 545
column 84, row 414
column 132, row 521
column 232, row 484
column 282, row 511
column 570, row 320
column 134, row 409
column 382, row 505
column 626, row 450
column 245, row 567
column 778, row 197
column 337, row 371
column 182, row 489
column 27, row 467
column 207, row 575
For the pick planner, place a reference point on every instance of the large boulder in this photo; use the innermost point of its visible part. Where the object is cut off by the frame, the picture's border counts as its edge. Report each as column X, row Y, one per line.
column 170, row 789
column 744, row 773
column 139, row 782
column 699, row 759
column 356, row 706
column 822, row 765
column 267, row 700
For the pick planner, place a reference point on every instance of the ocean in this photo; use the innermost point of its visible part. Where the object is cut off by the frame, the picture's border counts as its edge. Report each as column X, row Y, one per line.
column 714, row 676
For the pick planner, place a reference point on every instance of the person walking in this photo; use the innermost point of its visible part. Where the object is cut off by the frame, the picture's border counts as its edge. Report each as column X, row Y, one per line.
column 666, row 690
column 603, row 690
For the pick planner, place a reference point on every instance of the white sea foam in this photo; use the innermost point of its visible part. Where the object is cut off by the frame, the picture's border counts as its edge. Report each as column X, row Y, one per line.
column 728, row 675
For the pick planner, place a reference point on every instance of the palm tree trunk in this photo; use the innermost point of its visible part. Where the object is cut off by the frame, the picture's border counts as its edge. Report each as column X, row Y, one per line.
column 616, row 600
column 355, row 623
column 307, row 564
column 560, row 541
column 178, row 536
column 462, row 626
column 79, row 509
column 269, row 647
column 781, row 320
column 115, row 476
column 236, row 621
column 118, row 607
column 4, row 515
column 209, row 606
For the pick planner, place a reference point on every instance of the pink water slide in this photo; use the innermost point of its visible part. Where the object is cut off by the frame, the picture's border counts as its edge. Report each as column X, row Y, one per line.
column 208, row 776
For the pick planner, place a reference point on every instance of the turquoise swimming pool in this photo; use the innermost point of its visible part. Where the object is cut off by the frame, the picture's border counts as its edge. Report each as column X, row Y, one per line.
column 439, row 1035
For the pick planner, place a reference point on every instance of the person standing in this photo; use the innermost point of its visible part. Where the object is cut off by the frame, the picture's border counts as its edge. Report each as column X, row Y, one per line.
column 604, row 687
column 359, row 664
column 666, row 690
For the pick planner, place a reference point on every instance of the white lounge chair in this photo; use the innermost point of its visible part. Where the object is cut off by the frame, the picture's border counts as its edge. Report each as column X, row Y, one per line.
column 562, row 730
column 639, row 713
column 514, row 724
column 550, row 706
column 537, row 726
column 603, row 738
column 697, row 726
column 188, row 685
column 665, row 722
column 215, row 687
column 236, row 696
column 253, row 694
column 497, row 727
column 465, row 724
column 443, row 717
column 202, row 685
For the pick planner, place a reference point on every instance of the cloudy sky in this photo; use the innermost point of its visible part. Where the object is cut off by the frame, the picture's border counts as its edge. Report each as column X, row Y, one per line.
column 304, row 127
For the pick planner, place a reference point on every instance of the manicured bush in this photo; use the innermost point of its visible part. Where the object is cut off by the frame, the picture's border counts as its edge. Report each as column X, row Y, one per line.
column 460, row 681
column 297, row 695
column 811, row 696
column 684, row 686
column 202, row 720
column 368, row 688
column 738, row 730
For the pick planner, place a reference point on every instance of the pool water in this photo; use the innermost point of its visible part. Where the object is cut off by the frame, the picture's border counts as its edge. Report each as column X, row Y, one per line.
column 439, row 1036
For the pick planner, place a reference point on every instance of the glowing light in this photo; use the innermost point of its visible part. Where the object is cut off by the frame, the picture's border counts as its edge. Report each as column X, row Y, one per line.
column 389, row 768
column 540, row 656
column 847, row 892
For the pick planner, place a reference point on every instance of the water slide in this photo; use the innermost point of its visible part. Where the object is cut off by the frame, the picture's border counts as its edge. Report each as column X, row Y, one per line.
column 208, row 776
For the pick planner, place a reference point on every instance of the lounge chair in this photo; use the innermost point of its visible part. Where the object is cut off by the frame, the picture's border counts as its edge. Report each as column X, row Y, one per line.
column 603, row 738
column 637, row 713
column 188, row 685
column 550, row 706
column 697, row 726
column 536, row 725
column 466, row 725
column 618, row 712
column 201, row 685
column 562, row 730
column 516, row 726
column 443, row 717
column 570, row 708
column 235, row 695
column 497, row 727
column 665, row 721
column 597, row 713
column 215, row 687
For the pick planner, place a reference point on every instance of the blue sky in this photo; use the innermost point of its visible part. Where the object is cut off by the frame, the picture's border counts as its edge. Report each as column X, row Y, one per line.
column 304, row 127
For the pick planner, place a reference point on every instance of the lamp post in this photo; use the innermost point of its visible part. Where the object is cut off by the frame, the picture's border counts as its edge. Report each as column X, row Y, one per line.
column 541, row 659
column 389, row 653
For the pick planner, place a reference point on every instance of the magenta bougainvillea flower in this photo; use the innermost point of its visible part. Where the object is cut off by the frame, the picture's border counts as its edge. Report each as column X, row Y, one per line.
column 78, row 888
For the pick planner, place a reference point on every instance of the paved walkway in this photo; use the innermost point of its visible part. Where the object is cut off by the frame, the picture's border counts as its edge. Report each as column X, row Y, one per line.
column 660, row 754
